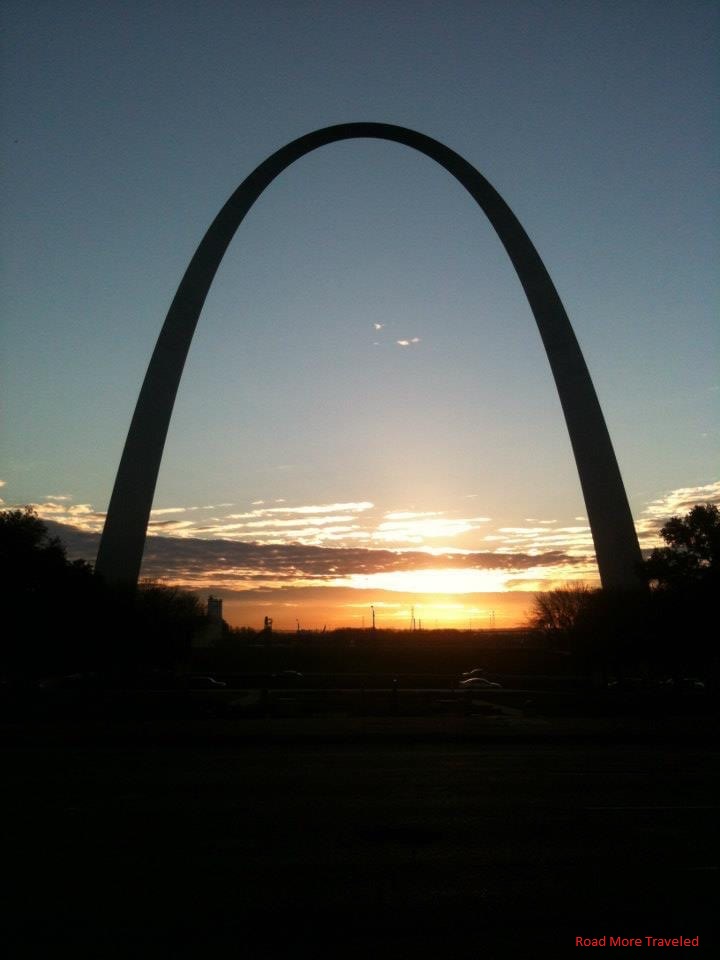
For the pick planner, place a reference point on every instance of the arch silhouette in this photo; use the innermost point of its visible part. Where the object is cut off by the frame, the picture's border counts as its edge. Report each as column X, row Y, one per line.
column 123, row 539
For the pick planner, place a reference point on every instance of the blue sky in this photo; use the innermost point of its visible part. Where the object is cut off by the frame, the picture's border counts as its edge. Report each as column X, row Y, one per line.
column 125, row 126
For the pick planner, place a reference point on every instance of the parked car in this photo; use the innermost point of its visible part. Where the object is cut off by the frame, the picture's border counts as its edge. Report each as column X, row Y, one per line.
column 206, row 683
column 682, row 683
column 479, row 683
column 290, row 675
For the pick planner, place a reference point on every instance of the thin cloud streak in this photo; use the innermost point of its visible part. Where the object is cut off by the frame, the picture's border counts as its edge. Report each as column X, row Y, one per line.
column 325, row 508
column 577, row 541
column 416, row 530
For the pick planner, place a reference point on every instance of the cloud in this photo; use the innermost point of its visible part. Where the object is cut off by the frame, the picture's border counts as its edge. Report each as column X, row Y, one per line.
column 237, row 566
column 675, row 503
column 2, row 483
column 79, row 515
column 407, row 343
column 274, row 523
column 176, row 525
column 313, row 523
column 576, row 541
column 343, row 523
column 302, row 511
column 283, row 545
column 542, row 535
column 59, row 497
column 378, row 326
column 405, row 527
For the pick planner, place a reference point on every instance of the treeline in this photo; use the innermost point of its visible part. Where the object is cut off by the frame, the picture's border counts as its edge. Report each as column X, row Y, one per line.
column 65, row 619
column 665, row 631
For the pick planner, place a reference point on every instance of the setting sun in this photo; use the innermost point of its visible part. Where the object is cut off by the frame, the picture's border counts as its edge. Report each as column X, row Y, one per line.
column 447, row 581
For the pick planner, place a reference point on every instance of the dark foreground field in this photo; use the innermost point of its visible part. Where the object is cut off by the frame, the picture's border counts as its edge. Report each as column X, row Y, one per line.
column 357, row 837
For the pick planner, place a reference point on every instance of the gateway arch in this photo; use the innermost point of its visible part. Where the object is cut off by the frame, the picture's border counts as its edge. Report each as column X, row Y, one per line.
column 123, row 539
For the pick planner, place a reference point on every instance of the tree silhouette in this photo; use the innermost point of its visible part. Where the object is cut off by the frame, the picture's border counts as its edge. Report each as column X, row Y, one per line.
column 65, row 619
column 30, row 559
column 692, row 555
column 559, row 613
column 685, row 576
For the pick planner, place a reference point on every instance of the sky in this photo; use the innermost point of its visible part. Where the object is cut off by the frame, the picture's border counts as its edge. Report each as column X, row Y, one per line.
column 367, row 415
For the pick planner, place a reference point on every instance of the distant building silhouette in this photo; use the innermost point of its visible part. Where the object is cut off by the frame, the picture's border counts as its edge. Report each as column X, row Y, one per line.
column 214, row 609
column 212, row 630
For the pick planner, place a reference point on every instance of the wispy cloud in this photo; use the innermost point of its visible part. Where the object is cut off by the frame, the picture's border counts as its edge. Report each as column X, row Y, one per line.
column 576, row 541
column 233, row 567
column 302, row 511
column 204, row 544
column 675, row 503
column 80, row 515
column 407, row 343
column 406, row 527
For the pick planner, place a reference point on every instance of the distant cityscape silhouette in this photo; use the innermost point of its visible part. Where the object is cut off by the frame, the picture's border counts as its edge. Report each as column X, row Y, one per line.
column 616, row 546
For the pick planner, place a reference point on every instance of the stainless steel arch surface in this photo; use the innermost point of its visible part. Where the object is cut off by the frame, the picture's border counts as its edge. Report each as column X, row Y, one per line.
column 123, row 539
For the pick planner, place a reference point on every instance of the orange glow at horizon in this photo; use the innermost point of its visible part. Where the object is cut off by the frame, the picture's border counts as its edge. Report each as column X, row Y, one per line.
column 463, row 580
column 441, row 581
column 395, row 612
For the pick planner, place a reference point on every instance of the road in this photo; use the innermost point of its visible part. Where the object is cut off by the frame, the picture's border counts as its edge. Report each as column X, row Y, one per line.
column 353, row 838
